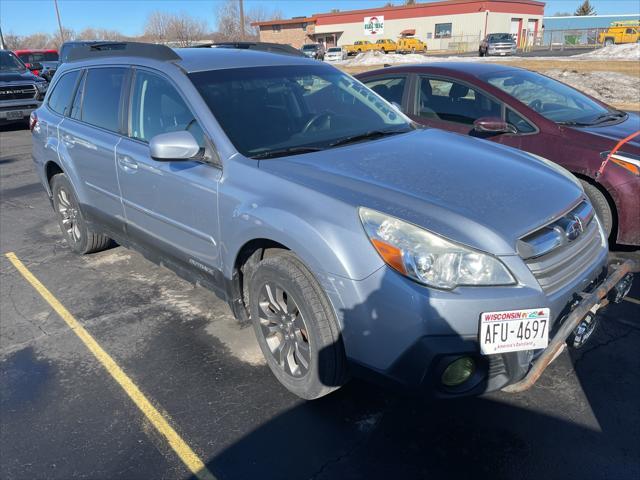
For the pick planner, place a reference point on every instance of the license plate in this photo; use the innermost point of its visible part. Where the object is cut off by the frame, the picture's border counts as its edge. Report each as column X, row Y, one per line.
column 15, row 115
column 502, row 54
column 514, row 330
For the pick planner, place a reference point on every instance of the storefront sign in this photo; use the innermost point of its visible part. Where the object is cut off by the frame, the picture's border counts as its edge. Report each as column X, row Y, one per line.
column 374, row 25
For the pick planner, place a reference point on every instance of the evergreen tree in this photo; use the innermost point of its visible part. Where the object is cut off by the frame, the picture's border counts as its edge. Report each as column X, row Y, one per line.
column 585, row 9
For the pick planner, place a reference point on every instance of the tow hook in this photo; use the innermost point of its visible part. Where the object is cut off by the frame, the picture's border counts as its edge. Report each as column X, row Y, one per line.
column 622, row 288
column 584, row 330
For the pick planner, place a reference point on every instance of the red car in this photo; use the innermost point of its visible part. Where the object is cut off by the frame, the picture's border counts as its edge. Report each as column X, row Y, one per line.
column 534, row 113
column 40, row 62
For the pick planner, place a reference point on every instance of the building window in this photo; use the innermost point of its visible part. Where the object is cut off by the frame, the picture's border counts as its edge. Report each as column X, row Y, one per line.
column 443, row 30
column 277, row 28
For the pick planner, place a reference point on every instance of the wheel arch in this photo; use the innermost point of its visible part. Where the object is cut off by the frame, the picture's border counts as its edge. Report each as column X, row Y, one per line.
column 608, row 197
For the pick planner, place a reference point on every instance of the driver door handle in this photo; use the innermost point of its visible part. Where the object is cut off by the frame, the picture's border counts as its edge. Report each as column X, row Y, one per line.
column 127, row 164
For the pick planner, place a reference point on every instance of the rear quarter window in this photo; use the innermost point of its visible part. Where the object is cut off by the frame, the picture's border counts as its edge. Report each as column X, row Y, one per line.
column 102, row 94
column 60, row 97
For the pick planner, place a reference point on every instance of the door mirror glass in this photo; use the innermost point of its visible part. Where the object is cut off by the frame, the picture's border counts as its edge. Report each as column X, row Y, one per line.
column 492, row 125
column 174, row 146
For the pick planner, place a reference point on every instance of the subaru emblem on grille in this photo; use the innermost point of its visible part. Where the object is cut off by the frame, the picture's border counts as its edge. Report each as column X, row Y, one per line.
column 573, row 228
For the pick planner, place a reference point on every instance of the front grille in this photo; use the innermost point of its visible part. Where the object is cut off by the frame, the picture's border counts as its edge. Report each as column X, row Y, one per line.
column 565, row 260
column 17, row 92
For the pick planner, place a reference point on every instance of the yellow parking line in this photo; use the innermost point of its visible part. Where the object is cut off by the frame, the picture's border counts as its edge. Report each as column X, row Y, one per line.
column 632, row 300
column 190, row 459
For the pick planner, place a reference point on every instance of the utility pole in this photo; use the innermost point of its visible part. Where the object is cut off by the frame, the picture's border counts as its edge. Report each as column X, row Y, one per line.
column 241, row 19
column 2, row 47
column 55, row 2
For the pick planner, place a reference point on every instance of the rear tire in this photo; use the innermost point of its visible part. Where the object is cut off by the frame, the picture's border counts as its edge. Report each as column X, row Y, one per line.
column 296, row 327
column 80, row 238
column 600, row 205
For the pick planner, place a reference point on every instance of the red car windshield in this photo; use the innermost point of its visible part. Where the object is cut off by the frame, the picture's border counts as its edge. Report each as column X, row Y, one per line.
column 37, row 57
column 551, row 99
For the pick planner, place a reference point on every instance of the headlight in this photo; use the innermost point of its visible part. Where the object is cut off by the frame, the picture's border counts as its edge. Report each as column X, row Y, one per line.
column 429, row 258
column 41, row 87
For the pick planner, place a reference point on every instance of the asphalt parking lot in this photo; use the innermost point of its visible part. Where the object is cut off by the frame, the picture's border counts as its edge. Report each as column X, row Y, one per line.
column 63, row 416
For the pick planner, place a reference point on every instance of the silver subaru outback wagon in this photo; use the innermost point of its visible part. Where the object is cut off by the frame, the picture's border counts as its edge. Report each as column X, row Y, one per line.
column 355, row 242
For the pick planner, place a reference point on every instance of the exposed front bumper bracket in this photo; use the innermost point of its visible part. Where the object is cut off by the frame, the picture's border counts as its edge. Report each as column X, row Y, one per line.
column 599, row 297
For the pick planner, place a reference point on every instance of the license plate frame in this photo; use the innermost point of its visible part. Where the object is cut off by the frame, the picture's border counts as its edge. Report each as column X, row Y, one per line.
column 513, row 330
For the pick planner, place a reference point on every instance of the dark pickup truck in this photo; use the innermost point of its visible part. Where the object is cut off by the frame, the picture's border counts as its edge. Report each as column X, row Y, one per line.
column 21, row 92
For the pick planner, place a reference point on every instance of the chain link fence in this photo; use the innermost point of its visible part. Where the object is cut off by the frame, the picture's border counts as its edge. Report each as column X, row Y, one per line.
column 577, row 38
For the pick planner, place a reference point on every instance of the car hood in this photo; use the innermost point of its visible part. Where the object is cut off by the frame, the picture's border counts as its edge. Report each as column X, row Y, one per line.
column 612, row 134
column 9, row 76
column 472, row 191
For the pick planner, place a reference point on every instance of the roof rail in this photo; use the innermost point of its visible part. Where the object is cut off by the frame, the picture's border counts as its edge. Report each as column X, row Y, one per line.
column 123, row 49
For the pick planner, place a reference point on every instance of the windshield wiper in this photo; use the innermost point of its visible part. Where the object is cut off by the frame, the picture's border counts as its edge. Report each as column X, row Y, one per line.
column 283, row 152
column 371, row 134
column 605, row 117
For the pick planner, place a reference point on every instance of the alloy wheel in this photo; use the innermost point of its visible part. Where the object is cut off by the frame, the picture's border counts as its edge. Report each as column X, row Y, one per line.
column 284, row 330
column 69, row 215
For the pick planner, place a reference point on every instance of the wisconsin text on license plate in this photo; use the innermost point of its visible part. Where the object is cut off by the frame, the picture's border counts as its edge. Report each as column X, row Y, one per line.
column 514, row 330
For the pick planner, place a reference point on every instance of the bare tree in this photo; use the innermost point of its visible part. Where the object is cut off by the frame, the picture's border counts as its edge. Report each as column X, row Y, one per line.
column 12, row 41
column 186, row 30
column 36, row 40
column 99, row 34
column 58, row 39
column 228, row 20
column 157, row 26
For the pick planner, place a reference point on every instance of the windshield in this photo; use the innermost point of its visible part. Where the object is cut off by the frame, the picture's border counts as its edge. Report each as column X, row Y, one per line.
column 9, row 62
column 39, row 57
column 310, row 47
column 265, row 110
column 551, row 99
column 335, row 49
column 500, row 37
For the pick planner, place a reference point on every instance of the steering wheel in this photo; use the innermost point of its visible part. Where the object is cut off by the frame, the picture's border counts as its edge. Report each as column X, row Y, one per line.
column 536, row 105
column 315, row 119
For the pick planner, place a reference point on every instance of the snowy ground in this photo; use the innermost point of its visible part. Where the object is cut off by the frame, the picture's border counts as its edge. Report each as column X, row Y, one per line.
column 628, row 52
column 609, row 87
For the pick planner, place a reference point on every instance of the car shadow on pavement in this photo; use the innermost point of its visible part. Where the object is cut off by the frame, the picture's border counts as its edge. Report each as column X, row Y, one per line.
column 364, row 431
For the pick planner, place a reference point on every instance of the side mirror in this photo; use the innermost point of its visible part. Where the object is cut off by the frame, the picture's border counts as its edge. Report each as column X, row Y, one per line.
column 35, row 66
column 174, row 146
column 493, row 125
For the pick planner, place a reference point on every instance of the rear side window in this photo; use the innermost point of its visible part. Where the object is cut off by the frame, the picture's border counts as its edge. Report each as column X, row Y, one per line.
column 60, row 98
column 389, row 88
column 101, row 99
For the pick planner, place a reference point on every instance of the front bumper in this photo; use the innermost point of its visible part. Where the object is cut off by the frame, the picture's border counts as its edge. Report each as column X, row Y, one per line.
column 594, row 300
column 16, row 112
column 395, row 329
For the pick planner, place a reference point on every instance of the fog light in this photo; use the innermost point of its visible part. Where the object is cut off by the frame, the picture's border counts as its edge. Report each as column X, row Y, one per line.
column 458, row 372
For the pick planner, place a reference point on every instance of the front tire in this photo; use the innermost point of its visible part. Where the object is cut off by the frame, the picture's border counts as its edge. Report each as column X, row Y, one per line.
column 296, row 327
column 600, row 205
column 608, row 42
column 80, row 238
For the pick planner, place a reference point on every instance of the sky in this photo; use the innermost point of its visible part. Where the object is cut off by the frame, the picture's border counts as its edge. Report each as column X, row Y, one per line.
column 24, row 17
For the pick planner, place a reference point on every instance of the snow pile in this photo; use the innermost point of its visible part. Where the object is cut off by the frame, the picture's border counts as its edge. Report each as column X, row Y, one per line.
column 379, row 58
column 629, row 51
column 609, row 87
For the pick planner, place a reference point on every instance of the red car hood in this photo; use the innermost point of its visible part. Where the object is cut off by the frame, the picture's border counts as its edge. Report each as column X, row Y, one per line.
column 610, row 135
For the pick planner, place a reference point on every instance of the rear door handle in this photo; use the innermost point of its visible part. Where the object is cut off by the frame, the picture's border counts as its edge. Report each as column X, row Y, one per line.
column 68, row 140
column 127, row 164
